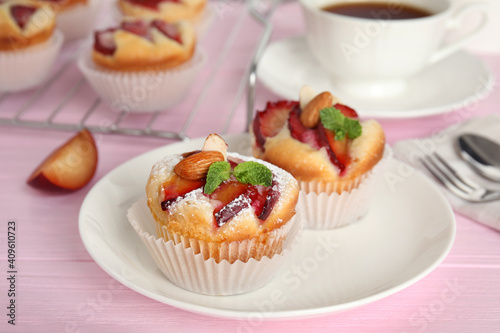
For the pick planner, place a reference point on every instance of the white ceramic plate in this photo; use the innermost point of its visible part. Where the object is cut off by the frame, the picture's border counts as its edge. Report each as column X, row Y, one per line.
column 407, row 233
column 451, row 84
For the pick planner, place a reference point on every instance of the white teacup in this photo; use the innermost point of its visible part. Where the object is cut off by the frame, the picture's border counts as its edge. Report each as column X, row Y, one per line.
column 375, row 57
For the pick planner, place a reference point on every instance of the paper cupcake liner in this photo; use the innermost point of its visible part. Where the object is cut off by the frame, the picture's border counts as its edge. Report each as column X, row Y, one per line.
column 146, row 91
column 27, row 68
column 264, row 246
column 193, row 272
column 324, row 208
column 78, row 22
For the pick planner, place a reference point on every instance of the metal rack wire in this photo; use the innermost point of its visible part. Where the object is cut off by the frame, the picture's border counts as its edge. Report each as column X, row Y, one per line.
column 260, row 10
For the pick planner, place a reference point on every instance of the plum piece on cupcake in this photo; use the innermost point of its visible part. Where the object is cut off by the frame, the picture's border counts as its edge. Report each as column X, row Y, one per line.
column 168, row 10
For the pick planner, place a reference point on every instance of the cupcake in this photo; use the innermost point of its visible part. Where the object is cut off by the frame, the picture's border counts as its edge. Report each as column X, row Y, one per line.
column 29, row 44
column 168, row 10
column 326, row 147
column 222, row 210
column 65, row 5
column 143, row 65
column 75, row 18
column 139, row 44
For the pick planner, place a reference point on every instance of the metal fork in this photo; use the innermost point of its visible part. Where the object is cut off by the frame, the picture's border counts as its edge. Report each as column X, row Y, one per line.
column 458, row 184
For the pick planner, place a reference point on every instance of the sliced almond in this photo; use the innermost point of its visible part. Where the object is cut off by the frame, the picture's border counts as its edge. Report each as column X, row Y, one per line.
column 310, row 113
column 306, row 95
column 196, row 166
column 215, row 142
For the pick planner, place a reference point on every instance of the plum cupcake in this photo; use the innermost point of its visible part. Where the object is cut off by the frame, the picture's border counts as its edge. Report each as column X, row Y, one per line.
column 143, row 65
column 324, row 145
column 216, row 215
column 75, row 18
column 29, row 43
column 167, row 10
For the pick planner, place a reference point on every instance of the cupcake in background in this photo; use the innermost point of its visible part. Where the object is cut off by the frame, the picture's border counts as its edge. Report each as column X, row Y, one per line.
column 64, row 5
column 156, row 58
column 29, row 43
column 76, row 18
column 198, row 12
column 326, row 147
column 223, row 221
column 167, row 10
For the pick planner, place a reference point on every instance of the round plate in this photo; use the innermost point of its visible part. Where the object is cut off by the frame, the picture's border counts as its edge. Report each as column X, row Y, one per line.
column 395, row 245
column 287, row 65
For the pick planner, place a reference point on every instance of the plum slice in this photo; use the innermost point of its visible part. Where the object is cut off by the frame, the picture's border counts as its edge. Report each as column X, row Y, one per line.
column 22, row 14
column 168, row 29
column 301, row 133
column 104, row 41
column 321, row 137
column 271, row 199
column 346, row 111
column 233, row 197
column 139, row 28
column 151, row 4
column 226, row 195
column 179, row 187
column 339, row 157
column 269, row 122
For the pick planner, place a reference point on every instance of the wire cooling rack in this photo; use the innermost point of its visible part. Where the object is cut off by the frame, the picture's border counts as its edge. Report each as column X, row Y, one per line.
column 66, row 102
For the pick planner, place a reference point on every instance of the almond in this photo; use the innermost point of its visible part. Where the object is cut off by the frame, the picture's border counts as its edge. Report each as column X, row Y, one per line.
column 310, row 114
column 306, row 94
column 215, row 142
column 196, row 166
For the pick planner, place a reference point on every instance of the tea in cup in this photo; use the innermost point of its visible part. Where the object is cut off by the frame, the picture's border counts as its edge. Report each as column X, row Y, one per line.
column 372, row 48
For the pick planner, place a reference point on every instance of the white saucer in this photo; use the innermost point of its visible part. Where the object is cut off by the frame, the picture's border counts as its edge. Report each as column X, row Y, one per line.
column 451, row 84
column 394, row 246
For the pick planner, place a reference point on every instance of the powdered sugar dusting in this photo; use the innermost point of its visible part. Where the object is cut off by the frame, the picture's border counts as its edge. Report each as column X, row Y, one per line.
column 166, row 165
column 235, row 207
column 283, row 183
column 191, row 198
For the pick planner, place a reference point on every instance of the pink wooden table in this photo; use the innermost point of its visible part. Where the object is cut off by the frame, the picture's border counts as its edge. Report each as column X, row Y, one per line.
column 59, row 288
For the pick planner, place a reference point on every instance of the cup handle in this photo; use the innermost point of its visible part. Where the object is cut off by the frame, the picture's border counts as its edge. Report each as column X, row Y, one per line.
column 455, row 22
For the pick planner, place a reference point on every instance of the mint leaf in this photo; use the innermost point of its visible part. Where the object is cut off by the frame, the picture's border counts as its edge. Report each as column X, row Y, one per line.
column 217, row 173
column 353, row 128
column 253, row 173
column 333, row 119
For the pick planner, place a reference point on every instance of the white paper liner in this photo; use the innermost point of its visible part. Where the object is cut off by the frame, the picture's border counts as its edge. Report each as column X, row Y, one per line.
column 78, row 21
column 27, row 68
column 329, row 211
column 256, row 248
column 192, row 272
column 147, row 91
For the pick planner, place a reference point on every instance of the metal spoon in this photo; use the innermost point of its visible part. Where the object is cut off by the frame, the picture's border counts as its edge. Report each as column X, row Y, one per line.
column 482, row 154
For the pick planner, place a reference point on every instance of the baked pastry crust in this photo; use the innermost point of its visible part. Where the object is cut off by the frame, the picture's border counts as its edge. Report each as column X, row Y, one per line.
column 308, row 164
column 192, row 215
column 169, row 11
column 36, row 30
column 63, row 5
column 136, row 53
